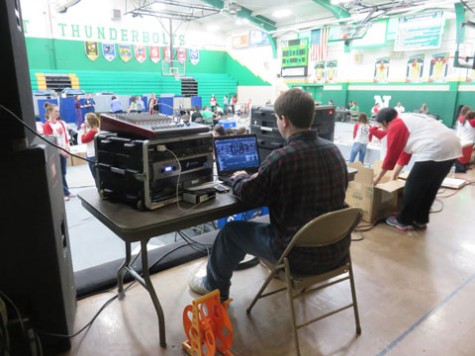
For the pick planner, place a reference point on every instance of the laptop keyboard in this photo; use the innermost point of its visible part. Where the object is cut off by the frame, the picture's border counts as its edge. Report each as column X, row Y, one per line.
column 227, row 181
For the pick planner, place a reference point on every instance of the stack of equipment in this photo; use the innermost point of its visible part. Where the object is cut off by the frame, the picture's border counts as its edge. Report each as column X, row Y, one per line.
column 151, row 173
column 264, row 126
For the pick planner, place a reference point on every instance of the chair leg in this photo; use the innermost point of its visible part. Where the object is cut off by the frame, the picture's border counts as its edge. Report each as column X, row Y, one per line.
column 291, row 302
column 258, row 295
column 355, row 303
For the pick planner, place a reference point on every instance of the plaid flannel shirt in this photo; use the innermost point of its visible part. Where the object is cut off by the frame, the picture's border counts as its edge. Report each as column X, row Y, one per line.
column 306, row 178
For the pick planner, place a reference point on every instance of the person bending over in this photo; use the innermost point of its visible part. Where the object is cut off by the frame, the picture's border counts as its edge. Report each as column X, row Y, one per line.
column 305, row 178
column 435, row 148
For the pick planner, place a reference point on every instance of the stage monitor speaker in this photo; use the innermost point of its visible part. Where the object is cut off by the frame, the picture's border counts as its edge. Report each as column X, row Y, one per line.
column 324, row 121
column 15, row 79
column 36, row 267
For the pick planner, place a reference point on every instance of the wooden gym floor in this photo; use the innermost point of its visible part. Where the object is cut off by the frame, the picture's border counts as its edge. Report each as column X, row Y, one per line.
column 415, row 294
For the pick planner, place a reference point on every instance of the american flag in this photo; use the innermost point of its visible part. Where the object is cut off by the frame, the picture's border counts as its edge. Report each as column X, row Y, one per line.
column 318, row 44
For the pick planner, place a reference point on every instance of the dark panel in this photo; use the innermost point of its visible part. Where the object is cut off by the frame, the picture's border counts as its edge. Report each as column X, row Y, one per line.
column 15, row 79
column 36, row 261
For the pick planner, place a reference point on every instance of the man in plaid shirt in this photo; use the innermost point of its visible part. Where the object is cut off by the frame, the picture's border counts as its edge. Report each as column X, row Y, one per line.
column 304, row 179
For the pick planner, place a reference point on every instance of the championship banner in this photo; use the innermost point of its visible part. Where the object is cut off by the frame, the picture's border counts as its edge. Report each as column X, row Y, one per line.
column 439, row 67
column 108, row 51
column 415, row 68
column 91, row 50
column 319, row 75
column 166, row 53
column 194, row 56
column 140, row 53
column 181, row 55
column 125, row 52
column 331, row 71
column 381, row 70
column 154, row 54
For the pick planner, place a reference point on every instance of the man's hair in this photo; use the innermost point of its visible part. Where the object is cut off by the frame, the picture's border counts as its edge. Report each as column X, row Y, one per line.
column 296, row 105
column 386, row 115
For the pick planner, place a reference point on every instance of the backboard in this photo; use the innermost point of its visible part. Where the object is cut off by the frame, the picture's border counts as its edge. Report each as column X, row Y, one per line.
column 173, row 68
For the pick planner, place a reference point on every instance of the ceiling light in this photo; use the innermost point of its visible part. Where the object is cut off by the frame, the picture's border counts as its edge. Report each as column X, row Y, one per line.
column 280, row 14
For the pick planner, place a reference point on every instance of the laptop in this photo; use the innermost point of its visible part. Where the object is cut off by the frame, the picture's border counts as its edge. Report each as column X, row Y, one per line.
column 235, row 153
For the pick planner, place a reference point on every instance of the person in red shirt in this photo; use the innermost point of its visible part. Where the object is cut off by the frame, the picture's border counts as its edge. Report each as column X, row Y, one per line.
column 56, row 127
column 375, row 109
column 90, row 130
column 435, row 148
column 466, row 134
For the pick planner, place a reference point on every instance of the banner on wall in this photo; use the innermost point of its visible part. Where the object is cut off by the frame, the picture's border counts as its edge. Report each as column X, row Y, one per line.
column 194, row 56
column 381, row 70
column 439, row 67
column 181, row 55
column 166, row 53
column 258, row 38
column 319, row 75
column 415, row 68
column 154, row 54
column 140, row 53
column 331, row 71
column 241, row 41
column 125, row 52
column 470, row 75
column 92, row 51
column 108, row 51
column 420, row 31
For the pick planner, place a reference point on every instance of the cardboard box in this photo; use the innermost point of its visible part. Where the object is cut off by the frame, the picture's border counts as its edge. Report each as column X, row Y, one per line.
column 78, row 150
column 78, row 161
column 377, row 202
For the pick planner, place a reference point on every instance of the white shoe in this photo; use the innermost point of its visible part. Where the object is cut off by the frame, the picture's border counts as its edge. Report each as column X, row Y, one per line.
column 197, row 281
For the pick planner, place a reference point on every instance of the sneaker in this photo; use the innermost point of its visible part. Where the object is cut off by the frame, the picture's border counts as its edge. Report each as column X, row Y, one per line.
column 197, row 285
column 72, row 195
column 419, row 226
column 392, row 221
column 66, row 199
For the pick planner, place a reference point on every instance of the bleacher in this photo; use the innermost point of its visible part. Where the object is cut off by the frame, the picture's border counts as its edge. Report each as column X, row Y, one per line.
column 217, row 84
column 137, row 83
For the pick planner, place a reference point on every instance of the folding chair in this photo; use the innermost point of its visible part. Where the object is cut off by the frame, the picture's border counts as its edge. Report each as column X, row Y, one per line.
column 322, row 231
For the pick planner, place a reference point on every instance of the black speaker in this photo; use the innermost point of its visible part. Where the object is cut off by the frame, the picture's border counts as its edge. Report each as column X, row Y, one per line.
column 15, row 79
column 36, row 267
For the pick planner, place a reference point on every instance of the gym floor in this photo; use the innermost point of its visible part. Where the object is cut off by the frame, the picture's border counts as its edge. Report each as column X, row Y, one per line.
column 414, row 289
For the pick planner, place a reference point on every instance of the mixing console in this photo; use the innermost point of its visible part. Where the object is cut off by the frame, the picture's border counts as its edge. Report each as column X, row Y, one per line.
column 148, row 126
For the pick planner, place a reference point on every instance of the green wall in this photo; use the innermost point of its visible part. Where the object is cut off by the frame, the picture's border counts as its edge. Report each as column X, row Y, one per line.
column 221, row 72
column 442, row 99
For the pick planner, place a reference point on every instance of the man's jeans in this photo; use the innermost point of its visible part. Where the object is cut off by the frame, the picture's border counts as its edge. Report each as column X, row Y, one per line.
column 234, row 241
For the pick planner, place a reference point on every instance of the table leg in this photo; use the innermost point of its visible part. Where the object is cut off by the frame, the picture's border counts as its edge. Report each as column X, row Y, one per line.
column 122, row 270
column 148, row 285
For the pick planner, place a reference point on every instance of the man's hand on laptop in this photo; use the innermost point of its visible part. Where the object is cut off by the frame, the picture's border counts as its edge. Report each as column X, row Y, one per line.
column 237, row 173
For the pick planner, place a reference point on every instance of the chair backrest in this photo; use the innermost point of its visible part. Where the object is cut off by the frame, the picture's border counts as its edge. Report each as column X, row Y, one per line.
column 326, row 229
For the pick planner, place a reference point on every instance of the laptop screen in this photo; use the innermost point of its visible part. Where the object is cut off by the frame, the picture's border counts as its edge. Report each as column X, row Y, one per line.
column 234, row 153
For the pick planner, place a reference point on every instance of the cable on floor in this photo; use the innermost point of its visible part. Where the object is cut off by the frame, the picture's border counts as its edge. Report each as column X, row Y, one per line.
column 109, row 301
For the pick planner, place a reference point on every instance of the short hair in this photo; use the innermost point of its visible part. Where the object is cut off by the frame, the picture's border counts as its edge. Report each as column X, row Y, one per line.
column 219, row 130
column 296, row 105
column 386, row 115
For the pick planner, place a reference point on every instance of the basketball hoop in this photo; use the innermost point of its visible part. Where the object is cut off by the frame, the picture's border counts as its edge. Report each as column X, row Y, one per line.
column 177, row 76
